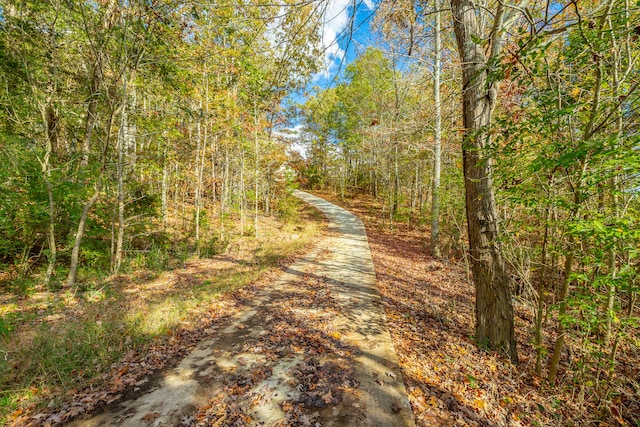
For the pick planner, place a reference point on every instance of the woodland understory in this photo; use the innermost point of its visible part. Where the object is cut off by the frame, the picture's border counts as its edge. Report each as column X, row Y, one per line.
column 492, row 148
column 136, row 144
column 429, row 304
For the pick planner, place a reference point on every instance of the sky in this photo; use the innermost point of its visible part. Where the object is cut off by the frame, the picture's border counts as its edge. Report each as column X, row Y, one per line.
column 342, row 40
column 338, row 38
column 341, row 43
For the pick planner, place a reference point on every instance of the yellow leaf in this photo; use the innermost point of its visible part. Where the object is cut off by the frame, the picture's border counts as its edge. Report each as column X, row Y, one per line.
column 433, row 401
column 479, row 404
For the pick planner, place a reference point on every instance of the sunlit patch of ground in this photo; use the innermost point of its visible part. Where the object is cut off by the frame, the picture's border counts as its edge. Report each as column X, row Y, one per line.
column 62, row 342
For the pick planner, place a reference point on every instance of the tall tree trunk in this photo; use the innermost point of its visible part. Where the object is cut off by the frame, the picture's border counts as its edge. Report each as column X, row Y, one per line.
column 494, row 311
column 198, row 189
column 618, row 72
column 124, row 121
column 243, row 195
column 82, row 223
column 165, row 187
column 123, row 148
column 435, row 192
column 214, row 178
column 225, row 193
column 46, row 172
column 396, row 181
column 257, row 168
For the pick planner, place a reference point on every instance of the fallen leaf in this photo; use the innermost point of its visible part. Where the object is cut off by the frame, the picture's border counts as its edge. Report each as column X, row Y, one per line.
column 150, row 417
column 186, row 420
column 479, row 404
column 15, row 414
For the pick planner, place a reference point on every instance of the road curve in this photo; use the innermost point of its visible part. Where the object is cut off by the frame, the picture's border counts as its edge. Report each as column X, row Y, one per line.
column 351, row 274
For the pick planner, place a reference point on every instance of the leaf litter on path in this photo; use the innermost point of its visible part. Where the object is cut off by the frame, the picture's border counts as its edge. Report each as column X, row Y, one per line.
column 293, row 369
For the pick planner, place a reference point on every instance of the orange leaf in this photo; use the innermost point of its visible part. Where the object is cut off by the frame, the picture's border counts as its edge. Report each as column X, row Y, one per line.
column 150, row 417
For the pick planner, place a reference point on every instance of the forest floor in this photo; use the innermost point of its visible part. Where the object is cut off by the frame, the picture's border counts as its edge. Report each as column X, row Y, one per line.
column 450, row 381
column 67, row 352
column 297, row 335
column 307, row 347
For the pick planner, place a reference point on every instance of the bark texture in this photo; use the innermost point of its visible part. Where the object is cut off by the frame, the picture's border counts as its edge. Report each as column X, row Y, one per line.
column 494, row 311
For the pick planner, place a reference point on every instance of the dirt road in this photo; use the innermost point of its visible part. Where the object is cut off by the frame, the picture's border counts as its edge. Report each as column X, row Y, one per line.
column 313, row 349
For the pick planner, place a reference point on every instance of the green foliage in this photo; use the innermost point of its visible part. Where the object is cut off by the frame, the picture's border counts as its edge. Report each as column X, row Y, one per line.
column 23, row 206
column 78, row 72
column 214, row 246
column 568, row 172
column 315, row 175
column 288, row 209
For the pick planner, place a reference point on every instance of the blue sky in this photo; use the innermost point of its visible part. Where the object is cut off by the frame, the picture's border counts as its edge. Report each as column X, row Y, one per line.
column 345, row 35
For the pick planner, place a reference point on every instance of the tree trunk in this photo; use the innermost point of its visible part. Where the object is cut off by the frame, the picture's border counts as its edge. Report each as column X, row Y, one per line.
column 564, row 293
column 214, row 150
column 396, row 182
column 242, row 194
column 198, row 189
column 46, row 172
column 435, row 192
column 225, row 193
column 494, row 311
column 165, row 187
column 122, row 136
column 257, row 168
column 75, row 253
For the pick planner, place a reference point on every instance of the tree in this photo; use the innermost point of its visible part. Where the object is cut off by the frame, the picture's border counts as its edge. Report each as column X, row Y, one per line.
column 494, row 310
column 437, row 145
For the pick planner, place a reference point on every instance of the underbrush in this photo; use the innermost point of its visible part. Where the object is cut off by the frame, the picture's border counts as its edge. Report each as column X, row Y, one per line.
column 54, row 342
column 429, row 305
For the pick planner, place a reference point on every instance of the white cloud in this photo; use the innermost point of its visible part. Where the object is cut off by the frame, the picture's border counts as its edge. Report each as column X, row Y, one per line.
column 335, row 20
column 369, row 4
column 296, row 138
column 290, row 133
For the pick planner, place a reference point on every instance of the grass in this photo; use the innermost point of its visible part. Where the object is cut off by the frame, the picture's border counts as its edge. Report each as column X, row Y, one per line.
column 54, row 342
